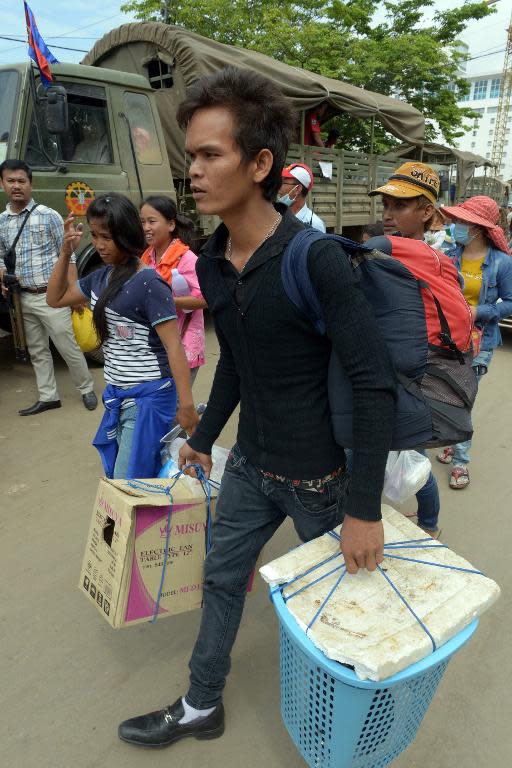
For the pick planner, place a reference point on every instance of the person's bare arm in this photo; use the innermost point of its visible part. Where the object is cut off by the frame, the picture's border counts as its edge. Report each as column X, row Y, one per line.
column 189, row 302
column 186, row 415
column 317, row 138
column 61, row 292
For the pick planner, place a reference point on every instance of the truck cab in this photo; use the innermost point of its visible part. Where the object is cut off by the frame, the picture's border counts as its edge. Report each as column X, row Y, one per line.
column 110, row 141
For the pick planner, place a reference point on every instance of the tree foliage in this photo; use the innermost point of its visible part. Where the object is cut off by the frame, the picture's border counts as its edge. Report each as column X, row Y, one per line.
column 389, row 46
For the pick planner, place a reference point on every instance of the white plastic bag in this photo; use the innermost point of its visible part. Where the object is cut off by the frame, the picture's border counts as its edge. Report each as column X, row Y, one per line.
column 406, row 473
column 219, row 458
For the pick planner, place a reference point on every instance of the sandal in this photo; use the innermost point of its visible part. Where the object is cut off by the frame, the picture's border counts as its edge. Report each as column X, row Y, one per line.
column 446, row 455
column 459, row 478
column 434, row 534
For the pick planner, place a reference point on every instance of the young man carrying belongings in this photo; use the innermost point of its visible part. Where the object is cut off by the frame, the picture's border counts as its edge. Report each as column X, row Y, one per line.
column 422, row 315
column 273, row 363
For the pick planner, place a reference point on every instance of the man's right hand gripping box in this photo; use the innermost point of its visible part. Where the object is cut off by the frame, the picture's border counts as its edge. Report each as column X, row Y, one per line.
column 124, row 555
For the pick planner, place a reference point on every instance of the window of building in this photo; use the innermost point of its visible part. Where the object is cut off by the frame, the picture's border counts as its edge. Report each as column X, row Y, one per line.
column 495, row 88
column 480, row 89
column 473, row 144
column 489, row 143
column 487, row 154
column 492, row 110
column 493, row 120
column 474, row 133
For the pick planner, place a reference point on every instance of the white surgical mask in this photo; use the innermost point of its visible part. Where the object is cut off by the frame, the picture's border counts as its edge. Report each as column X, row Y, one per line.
column 286, row 199
column 461, row 234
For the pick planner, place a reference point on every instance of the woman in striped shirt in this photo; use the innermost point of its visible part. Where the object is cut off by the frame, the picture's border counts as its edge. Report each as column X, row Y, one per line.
column 136, row 320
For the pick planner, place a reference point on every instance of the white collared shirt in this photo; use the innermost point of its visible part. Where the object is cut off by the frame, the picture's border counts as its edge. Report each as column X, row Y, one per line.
column 308, row 217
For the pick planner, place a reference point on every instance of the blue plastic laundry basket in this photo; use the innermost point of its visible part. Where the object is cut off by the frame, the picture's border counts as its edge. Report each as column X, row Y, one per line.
column 337, row 720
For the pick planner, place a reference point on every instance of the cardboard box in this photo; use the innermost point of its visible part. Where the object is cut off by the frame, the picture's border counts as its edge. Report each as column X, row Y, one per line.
column 124, row 556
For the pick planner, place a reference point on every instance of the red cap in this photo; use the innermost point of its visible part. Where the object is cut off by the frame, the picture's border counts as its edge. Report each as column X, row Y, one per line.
column 299, row 172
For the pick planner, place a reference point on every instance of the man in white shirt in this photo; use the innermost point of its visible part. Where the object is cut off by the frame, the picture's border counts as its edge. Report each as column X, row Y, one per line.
column 36, row 253
column 296, row 182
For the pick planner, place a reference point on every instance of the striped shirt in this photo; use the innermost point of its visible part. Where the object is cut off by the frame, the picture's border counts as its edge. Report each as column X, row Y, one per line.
column 38, row 248
column 133, row 351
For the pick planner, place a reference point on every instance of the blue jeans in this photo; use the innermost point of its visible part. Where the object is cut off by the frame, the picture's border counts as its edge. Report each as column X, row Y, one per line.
column 461, row 451
column 124, row 440
column 428, row 502
column 250, row 508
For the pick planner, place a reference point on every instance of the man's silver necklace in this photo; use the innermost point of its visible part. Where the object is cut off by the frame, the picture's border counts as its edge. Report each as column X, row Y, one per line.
column 229, row 244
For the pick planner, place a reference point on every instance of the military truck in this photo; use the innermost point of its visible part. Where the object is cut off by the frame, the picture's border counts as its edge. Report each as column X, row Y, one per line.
column 108, row 124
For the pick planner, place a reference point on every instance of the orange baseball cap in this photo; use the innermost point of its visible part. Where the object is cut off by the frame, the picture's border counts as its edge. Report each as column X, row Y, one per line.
column 412, row 180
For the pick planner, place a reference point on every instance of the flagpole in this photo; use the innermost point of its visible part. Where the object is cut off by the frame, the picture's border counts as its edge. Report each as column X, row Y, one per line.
column 33, row 91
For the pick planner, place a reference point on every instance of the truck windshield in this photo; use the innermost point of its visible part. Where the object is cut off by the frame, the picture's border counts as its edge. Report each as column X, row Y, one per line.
column 88, row 137
column 8, row 87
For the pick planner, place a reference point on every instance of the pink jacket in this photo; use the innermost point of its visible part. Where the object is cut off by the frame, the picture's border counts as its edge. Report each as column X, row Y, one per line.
column 193, row 338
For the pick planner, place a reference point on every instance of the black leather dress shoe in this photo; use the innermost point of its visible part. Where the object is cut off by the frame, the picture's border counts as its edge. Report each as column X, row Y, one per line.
column 90, row 401
column 39, row 407
column 162, row 728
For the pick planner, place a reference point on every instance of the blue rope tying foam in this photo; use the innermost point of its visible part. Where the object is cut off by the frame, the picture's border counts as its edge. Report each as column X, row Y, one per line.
column 411, row 543
column 422, row 543
column 437, row 565
column 312, row 583
column 206, row 485
column 306, row 573
column 335, row 587
column 404, row 601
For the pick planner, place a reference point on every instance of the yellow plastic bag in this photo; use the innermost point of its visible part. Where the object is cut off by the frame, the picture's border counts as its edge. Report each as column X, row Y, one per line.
column 85, row 330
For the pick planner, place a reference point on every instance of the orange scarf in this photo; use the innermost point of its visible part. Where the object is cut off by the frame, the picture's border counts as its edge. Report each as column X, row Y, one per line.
column 170, row 258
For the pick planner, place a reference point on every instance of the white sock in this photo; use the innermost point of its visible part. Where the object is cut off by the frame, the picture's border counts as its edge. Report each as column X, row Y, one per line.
column 191, row 713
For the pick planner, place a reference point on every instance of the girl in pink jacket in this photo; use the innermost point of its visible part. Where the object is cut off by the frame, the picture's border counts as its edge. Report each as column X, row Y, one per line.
column 168, row 235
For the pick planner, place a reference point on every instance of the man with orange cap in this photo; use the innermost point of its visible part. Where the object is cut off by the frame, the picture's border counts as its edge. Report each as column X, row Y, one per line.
column 409, row 200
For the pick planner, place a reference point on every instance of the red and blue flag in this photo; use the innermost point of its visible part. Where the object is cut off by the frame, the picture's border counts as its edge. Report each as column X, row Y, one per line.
column 38, row 50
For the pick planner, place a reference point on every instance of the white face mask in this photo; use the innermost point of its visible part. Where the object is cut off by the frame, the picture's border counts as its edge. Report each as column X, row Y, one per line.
column 286, row 199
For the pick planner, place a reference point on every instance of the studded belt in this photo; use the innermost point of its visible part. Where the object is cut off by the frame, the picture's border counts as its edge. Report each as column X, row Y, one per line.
column 316, row 486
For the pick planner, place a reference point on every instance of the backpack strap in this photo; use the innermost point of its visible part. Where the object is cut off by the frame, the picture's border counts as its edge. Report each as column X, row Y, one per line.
column 10, row 256
column 295, row 274
column 445, row 335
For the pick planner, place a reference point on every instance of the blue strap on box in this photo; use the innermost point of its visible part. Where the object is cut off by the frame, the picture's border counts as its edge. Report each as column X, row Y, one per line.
column 207, row 486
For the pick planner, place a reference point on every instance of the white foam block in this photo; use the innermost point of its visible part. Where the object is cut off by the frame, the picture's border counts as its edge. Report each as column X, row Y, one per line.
column 365, row 623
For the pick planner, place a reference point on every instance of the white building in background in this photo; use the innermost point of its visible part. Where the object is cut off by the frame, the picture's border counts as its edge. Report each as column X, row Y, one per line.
column 483, row 98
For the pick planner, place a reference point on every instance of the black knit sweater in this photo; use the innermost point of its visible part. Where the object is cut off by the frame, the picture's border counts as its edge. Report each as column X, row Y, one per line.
column 274, row 363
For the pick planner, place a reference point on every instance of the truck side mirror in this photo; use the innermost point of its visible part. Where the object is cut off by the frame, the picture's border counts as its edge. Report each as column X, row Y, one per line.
column 56, row 109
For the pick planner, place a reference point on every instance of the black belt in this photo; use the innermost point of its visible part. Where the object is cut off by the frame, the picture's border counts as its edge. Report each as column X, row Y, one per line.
column 42, row 289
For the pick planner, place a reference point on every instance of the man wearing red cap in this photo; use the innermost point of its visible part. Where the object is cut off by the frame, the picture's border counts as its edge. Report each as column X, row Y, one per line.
column 297, row 181
column 482, row 256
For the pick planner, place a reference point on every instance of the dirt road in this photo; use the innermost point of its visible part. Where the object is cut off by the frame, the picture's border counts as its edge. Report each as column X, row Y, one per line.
column 68, row 678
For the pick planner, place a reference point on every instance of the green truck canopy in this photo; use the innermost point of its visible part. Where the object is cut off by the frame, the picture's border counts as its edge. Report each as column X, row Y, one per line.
column 136, row 47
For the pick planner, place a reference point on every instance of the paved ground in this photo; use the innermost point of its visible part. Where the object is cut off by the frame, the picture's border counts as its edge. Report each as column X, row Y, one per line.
column 68, row 678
